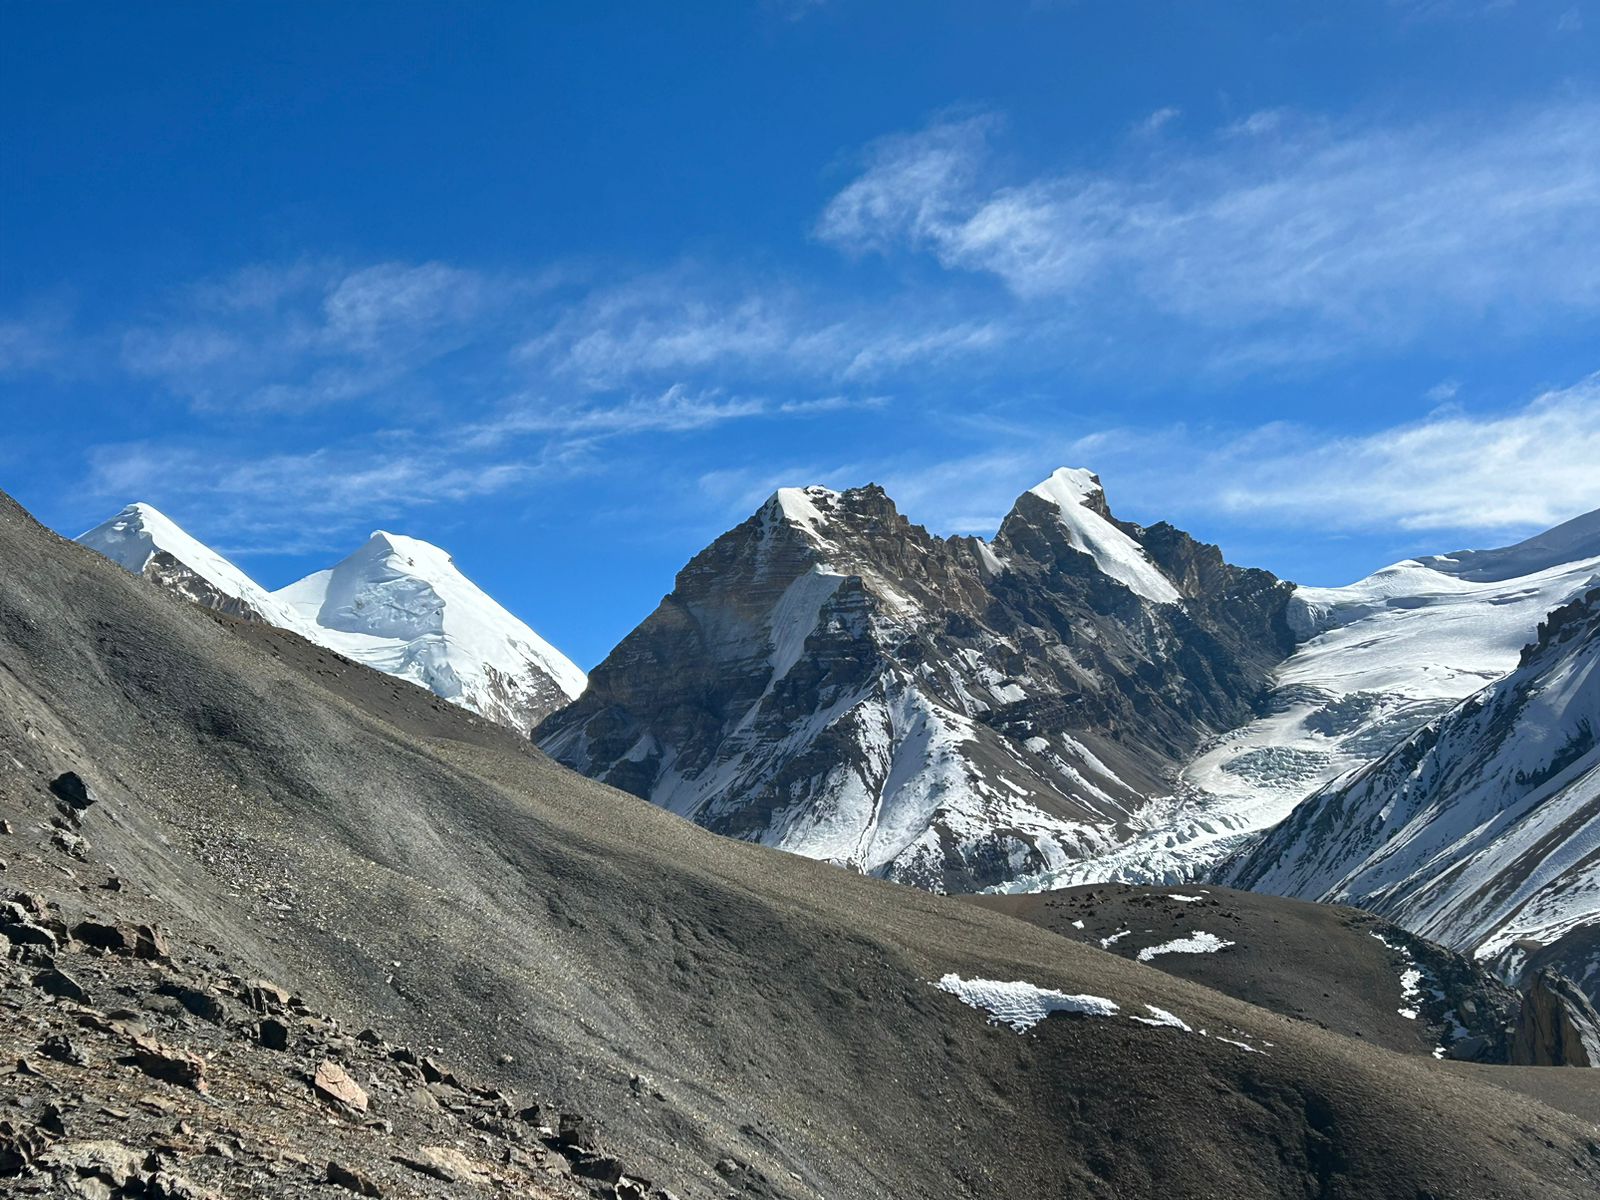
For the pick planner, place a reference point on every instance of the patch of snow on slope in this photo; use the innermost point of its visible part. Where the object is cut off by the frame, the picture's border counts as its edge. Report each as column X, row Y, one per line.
column 1022, row 1005
column 1160, row 1016
column 1198, row 942
column 801, row 505
column 1410, row 981
column 1113, row 551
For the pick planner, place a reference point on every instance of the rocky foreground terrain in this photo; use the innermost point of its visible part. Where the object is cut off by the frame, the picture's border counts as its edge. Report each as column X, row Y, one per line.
column 137, row 1066
column 731, row 1020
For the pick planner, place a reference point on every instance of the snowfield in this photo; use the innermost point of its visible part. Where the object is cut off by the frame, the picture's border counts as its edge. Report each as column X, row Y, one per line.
column 1198, row 942
column 1022, row 1005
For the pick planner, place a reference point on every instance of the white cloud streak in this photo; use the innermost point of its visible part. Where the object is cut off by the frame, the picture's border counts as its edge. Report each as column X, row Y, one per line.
column 1360, row 235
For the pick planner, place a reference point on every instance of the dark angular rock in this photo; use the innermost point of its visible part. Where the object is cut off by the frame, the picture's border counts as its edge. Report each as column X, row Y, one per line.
column 20, row 1145
column 601, row 1167
column 332, row 1083
column 168, row 1063
column 1555, row 1023
column 352, row 1181
column 272, row 1033
column 576, row 1131
column 101, row 935
column 73, row 790
column 59, row 1047
column 197, row 1001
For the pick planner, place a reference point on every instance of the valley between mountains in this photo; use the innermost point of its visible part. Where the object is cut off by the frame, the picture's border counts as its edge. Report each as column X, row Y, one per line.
column 1081, row 859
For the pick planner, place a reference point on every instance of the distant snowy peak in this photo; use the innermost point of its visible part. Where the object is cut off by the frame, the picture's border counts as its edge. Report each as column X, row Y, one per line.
column 1376, row 660
column 401, row 605
column 144, row 541
column 1572, row 541
column 397, row 604
column 1078, row 503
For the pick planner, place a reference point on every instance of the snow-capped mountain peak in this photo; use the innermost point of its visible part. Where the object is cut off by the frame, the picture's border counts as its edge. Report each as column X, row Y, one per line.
column 143, row 540
column 398, row 604
column 1080, row 504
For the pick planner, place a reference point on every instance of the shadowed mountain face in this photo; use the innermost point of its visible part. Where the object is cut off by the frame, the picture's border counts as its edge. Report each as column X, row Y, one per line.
column 831, row 679
column 406, row 865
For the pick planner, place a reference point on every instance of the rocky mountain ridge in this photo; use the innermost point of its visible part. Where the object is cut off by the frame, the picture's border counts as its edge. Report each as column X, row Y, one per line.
column 404, row 865
column 831, row 679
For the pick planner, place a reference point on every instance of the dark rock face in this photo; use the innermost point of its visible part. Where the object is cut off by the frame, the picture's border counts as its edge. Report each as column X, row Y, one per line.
column 1557, row 1027
column 952, row 713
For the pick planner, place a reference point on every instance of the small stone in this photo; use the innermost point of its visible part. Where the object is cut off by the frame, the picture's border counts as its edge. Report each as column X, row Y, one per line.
column 59, row 1047
column 352, row 1181
column 55, row 982
column 331, row 1082
column 444, row 1163
column 26, row 933
column 72, row 844
column 148, row 942
column 6, row 827
column 114, row 1166
column 20, row 1146
column 434, row 1073
column 164, row 1185
column 169, row 1064
column 575, row 1130
column 197, row 1001
column 114, row 939
column 601, row 1167
column 265, row 996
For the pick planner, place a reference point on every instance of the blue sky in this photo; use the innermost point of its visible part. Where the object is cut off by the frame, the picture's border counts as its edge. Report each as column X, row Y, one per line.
column 569, row 288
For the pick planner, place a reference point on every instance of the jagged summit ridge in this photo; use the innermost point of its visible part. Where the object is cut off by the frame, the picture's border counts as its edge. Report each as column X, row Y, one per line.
column 1080, row 502
column 833, row 679
column 397, row 603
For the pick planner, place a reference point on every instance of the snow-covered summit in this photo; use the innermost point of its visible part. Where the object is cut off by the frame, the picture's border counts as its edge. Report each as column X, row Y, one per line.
column 398, row 604
column 143, row 540
column 807, row 506
column 1081, row 504
column 401, row 605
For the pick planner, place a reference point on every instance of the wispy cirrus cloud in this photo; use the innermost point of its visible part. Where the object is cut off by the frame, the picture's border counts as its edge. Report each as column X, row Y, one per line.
column 685, row 321
column 1299, row 236
column 304, row 335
